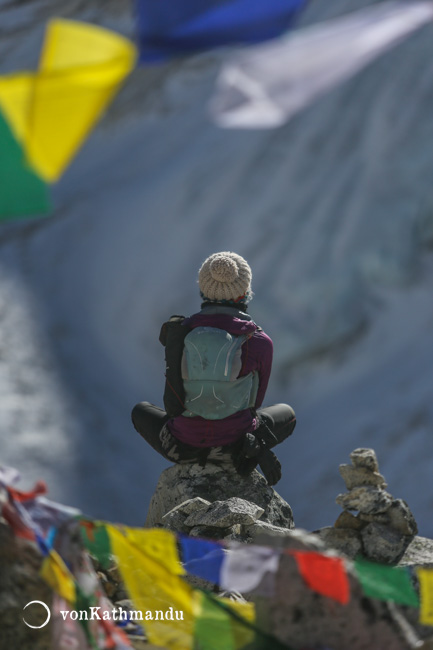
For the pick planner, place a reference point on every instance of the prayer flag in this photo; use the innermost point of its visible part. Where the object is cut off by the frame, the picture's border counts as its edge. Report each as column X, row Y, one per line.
column 243, row 617
column 223, row 624
column 52, row 111
column 8, row 475
column 150, row 572
column 158, row 544
column 425, row 577
column 168, row 29
column 213, row 629
column 245, row 565
column 202, row 558
column 265, row 86
column 65, row 632
column 386, row 583
column 20, row 496
column 81, row 69
column 39, row 515
column 20, row 525
column 55, row 572
column 22, row 192
column 15, row 512
column 324, row 574
column 97, row 541
column 44, row 512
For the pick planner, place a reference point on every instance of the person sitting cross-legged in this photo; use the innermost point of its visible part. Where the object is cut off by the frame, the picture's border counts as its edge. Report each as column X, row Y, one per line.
column 218, row 364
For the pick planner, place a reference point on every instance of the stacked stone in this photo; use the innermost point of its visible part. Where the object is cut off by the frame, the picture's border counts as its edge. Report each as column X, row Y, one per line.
column 383, row 527
column 229, row 519
column 180, row 483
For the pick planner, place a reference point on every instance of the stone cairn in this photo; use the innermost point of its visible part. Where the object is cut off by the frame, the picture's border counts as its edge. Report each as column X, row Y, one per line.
column 215, row 502
column 383, row 527
column 233, row 518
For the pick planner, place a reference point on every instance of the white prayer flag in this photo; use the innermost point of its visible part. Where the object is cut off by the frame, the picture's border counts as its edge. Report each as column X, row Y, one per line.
column 245, row 565
column 266, row 85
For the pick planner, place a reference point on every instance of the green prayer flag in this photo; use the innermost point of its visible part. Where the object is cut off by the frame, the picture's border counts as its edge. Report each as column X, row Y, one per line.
column 244, row 632
column 84, row 602
column 386, row 583
column 97, row 542
column 22, row 192
column 213, row 628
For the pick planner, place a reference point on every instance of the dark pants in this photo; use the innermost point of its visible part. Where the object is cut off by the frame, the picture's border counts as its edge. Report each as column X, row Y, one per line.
column 149, row 421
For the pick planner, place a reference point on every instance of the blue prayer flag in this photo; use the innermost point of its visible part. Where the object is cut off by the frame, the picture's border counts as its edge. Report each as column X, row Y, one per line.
column 202, row 558
column 166, row 29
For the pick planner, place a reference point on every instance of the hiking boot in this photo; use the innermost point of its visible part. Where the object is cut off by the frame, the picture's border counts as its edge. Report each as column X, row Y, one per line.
column 270, row 466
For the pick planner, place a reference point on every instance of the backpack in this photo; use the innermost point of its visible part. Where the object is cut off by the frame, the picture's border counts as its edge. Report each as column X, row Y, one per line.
column 172, row 336
column 211, row 363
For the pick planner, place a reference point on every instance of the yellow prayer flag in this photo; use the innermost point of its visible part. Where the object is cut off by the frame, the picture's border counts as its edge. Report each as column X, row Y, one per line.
column 150, row 568
column 158, row 544
column 81, row 69
column 55, row 572
column 425, row 577
column 246, row 610
column 52, row 111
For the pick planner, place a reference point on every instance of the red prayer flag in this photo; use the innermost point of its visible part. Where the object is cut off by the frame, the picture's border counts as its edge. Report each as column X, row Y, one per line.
column 323, row 574
column 17, row 495
column 14, row 513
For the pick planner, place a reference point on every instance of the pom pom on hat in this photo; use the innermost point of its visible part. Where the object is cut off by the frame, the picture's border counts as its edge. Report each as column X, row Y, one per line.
column 223, row 269
column 225, row 277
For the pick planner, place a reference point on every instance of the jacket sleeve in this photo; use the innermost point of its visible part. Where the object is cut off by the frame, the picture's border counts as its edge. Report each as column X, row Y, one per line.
column 172, row 336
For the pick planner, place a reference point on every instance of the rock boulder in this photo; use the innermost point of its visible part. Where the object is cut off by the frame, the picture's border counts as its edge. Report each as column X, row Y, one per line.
column 182, row 483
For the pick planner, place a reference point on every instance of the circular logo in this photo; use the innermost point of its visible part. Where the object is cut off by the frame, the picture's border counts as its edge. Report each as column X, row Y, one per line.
column 39, row 602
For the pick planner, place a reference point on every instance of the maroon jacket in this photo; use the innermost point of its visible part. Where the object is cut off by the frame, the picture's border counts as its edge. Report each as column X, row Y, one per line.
column 257, row 352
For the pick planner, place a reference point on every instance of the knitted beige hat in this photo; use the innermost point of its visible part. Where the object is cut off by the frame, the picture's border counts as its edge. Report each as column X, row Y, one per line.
column 225, row 276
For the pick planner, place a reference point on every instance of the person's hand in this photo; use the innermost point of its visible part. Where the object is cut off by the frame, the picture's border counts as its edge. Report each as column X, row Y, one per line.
column 251, row 447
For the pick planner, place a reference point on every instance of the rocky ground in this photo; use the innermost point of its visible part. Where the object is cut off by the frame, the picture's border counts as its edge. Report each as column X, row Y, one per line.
column 214, row 502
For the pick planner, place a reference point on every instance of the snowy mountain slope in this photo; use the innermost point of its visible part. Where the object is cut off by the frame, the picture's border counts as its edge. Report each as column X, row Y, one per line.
column 334, row 213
